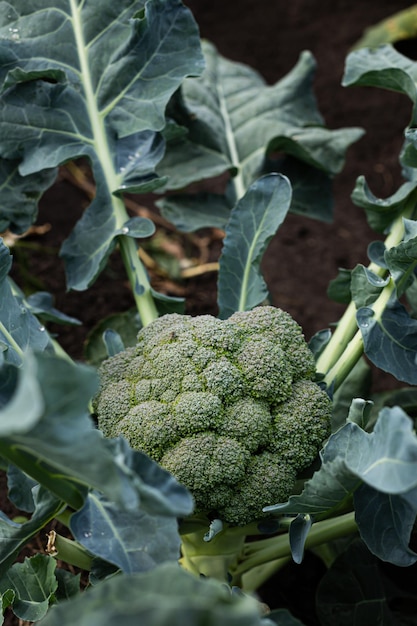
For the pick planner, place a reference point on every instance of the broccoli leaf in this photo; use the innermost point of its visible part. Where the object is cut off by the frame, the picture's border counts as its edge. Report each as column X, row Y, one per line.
column 134, row 542
column 365, row 286
column 19, row 329
column 165, row 594
column 20, row 195
column 381, row 213
column 93, row 80
column 15, row 536
column 253, row 222
column 384, row 68
column 402, row 259
column 385, row 462
column 354, row 589
column 238, row 125
column 33, row 584
column 52, row 439
column 390, row 340
column 385, row 523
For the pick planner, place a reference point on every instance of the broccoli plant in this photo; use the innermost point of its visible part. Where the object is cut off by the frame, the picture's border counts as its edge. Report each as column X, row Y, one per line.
column 226, row 445
column 228, row 407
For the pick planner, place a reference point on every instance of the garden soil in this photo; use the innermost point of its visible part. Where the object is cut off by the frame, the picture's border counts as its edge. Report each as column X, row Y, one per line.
column 268, row 35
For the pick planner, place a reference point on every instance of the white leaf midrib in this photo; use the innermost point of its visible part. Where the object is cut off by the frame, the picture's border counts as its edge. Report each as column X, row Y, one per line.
column 97, row 121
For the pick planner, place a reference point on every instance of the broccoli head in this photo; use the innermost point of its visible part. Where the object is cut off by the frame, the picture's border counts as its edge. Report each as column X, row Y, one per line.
column 229, row 407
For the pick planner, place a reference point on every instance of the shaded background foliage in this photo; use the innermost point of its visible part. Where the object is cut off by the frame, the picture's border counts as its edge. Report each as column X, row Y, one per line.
column 305, row 254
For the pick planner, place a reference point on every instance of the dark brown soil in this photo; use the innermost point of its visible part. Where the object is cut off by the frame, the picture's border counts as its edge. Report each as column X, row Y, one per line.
column 304, row 255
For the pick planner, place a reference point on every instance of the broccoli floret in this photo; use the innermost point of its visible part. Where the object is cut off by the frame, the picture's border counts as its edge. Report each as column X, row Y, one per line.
column 229, row 407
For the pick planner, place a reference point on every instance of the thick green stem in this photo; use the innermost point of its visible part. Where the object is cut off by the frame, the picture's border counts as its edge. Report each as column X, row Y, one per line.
column 345, row 347
column 278, row 547
column 69, row 551
column 138, row 279
column 215, row 558
column 257, row 576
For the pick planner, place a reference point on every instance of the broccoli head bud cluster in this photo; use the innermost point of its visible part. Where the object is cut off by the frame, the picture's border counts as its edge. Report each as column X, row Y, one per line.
column 229, row 407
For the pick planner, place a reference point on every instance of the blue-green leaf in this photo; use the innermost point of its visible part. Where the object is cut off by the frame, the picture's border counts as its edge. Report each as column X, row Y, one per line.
column 134, row 542
column 51, row 437
column 339, row 288
column 376, row 253
column 42, row 303
column 402, row 259
column 19, row 329
column 34, row 584
column 166, row 594
column 20, row 489
column 138, row 227
column 253, row 222
column 190, row 212
column 20, row 195
column 385, row 523
column 328, row 490
column 236, row 124
column 93, row 80
column 381, row 67
column 385, row 460
column 68, row 584
column 390, row 341
column 15, row 536
column 365, row 286
column 113, row 342
column 319, row 341
column 354, row 590
column 381, row 212
column 160, row 493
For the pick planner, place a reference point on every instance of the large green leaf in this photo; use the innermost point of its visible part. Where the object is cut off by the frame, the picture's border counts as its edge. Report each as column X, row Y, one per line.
column 165, row 595
column 353, row 593
column 402, row 259
column 253, row 223
column 15, row 536
column 19, row 329
column 390, row 340
column 134, row 542
column 385, row 461
column 33, row 584
column 366, row 286
column 384, row 67
column 20, row 195
column 235, row 121
column 381, row 212
column 386, row 522
column 92, row 79
column 53, row 440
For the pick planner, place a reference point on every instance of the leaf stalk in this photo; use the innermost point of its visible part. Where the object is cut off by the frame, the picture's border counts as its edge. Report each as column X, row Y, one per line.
column 345, row 347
